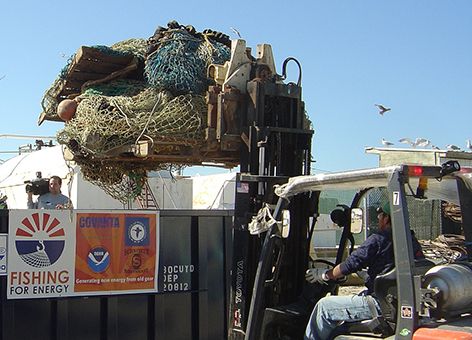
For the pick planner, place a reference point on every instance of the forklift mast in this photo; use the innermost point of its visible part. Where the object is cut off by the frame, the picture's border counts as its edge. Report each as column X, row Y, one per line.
column 277, row 145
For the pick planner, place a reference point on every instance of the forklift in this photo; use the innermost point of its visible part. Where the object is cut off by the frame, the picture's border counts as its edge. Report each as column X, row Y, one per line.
column 418, row 299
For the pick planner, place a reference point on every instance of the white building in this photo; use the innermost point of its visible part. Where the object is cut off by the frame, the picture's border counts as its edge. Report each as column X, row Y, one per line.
column 394, row 156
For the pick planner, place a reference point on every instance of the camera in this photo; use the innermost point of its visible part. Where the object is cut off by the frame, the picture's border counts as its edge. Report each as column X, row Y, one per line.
column 38, row 186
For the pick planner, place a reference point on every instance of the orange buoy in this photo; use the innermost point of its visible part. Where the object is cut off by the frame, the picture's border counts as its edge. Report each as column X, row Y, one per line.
column 66, row 109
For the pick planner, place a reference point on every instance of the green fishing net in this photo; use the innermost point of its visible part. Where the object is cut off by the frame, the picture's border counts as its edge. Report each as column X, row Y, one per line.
column 163, row 100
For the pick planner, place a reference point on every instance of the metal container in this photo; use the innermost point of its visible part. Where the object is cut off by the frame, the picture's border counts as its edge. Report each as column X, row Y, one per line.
column 454, row 283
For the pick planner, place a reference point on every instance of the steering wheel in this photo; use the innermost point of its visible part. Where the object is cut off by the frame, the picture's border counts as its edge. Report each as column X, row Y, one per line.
column 331, row 266
column 329, row 263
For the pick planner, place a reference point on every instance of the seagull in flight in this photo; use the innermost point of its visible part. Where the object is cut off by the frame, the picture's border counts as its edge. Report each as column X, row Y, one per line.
column 386, row 142
column 236, row 32
column 382, row 109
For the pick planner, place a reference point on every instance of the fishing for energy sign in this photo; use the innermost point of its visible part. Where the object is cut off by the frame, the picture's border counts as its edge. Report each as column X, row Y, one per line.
column 40, row 254
column 57, row 253
column 115, row 252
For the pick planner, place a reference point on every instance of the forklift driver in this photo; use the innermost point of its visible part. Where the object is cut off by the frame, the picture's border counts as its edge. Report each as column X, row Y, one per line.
column 376, row 254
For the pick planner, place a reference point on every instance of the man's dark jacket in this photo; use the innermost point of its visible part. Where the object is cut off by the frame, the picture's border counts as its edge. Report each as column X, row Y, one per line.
column 376, row 254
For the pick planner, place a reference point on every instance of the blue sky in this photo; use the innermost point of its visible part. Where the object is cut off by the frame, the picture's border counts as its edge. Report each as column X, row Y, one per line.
column 412, row 56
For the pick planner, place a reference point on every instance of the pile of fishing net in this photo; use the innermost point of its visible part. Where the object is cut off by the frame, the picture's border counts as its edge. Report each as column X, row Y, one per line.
column 163, row 102
column 452, row 211
column 446, row 248
column 103, row 123
column 178, row 58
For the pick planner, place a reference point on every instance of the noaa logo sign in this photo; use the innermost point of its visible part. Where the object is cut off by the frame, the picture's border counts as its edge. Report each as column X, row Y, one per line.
column 40, row 240
column 98, row 259
column 137, row 231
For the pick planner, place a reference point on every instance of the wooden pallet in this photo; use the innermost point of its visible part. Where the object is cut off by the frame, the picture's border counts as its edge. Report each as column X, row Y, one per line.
column 173, row 152
column 91, row 66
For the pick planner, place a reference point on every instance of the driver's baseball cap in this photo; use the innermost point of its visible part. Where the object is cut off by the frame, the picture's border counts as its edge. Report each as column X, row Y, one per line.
column 384, row 208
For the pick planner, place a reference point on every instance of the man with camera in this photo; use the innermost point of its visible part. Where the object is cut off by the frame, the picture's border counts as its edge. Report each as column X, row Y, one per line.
column 49, row 200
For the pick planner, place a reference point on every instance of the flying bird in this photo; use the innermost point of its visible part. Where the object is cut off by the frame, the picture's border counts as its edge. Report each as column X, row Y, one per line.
column 236, row 31
column 386, row 142
column 452, row 147
column 406, row 141
column 382, row 109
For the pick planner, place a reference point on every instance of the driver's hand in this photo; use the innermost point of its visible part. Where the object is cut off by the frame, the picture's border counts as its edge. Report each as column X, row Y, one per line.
column 318, row 275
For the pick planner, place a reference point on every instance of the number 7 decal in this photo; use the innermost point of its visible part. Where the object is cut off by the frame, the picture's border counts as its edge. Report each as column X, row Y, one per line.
column 396, row 198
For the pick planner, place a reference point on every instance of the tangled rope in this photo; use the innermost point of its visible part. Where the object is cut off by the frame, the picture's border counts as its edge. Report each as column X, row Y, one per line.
column 452, row 211
column 446, row 248
column 137, row 47
column 180, row 61
column 164, row 102
column 103, row 123
column 262, row 221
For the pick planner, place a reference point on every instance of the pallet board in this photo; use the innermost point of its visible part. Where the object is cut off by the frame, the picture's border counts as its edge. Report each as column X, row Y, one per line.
column 91, row 65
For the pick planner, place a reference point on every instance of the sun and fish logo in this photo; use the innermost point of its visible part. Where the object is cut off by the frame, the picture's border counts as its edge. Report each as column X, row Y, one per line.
column 40, row 240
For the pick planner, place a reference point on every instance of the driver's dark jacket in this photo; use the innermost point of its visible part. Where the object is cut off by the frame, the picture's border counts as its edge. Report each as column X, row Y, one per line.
column 376, row 254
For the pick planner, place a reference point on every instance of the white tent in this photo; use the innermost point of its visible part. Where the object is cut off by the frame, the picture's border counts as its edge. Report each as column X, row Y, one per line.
column 50, row 161
column 201, row 192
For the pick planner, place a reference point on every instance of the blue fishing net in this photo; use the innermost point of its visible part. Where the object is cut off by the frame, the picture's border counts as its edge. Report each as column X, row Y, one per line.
column 180, row 62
